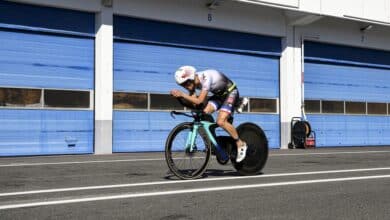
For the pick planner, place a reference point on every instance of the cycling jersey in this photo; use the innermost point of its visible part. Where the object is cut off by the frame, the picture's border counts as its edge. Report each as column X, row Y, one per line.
column 225, row 92
column 215, row 82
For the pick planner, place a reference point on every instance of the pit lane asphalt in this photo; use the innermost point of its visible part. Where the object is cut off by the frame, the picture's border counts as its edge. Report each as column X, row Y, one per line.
column 346, row 183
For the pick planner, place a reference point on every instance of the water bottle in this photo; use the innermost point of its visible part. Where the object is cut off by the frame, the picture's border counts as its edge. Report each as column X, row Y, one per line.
column 244, row 102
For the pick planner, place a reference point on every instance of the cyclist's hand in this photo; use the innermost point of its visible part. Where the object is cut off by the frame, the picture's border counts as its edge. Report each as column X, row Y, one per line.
column 176, row 93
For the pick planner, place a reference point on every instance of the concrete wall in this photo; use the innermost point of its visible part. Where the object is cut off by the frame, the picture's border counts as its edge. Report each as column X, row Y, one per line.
column 377, row 11
column 104, row 76
column 85, row 5
column 228, row 15
column 365, row 10
column 345, row 32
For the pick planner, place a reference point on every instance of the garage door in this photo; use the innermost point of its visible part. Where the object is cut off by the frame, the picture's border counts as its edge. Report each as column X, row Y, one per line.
column 146, row 53
column 347, row 94
column 46, row 80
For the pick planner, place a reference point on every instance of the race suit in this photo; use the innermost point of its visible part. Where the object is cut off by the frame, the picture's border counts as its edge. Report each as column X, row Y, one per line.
column 225, row 93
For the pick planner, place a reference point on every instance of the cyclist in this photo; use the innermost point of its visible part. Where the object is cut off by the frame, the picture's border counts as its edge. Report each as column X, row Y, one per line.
column 225, row 98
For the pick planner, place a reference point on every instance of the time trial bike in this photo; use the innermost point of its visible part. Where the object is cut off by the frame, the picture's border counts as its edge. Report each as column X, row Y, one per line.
column 190, row 145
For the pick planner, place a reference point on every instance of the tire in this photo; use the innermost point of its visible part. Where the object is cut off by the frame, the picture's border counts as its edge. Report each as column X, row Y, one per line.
column 257, row 152
column 300, row 131
column 184, row 164
column 301, row 128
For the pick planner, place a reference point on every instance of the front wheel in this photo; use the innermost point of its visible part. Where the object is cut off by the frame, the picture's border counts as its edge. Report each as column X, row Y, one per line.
column 257, row 152
column 183, row 162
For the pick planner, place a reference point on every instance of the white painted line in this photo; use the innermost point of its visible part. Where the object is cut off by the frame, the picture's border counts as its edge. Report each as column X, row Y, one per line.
column 162, row 159
column 79, row 162
column 331, row 153
column 175, row 192
column 186, row 181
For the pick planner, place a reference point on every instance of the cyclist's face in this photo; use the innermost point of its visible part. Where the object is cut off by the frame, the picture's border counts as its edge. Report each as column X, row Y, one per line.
column 189, row 85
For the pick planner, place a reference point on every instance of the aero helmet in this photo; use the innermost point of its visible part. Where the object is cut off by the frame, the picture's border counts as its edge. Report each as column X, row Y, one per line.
column 185, row 73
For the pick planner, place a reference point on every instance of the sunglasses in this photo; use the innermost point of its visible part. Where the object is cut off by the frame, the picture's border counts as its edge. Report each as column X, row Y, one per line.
column 186, row 83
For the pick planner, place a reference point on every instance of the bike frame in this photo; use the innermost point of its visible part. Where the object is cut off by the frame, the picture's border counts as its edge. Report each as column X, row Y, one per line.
column 192, row 136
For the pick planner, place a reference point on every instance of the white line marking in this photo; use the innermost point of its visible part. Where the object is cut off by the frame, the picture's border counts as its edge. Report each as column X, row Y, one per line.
column 185, row 181
column 78, row 162
column 175, row 192
column 330, row 153
column 161, row 159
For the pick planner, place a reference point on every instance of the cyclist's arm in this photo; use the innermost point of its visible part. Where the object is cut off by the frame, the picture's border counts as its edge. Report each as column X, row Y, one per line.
column 196, row 99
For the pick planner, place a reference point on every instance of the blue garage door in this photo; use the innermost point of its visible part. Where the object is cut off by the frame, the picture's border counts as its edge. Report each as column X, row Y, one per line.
column 46, row 80
column 146, row 53
column 347, row 92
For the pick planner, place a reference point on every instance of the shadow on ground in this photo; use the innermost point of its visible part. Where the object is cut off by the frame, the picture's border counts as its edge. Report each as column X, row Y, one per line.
column 209, row 173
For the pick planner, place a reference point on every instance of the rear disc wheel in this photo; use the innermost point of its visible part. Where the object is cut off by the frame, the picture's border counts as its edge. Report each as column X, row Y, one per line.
column 257, row 151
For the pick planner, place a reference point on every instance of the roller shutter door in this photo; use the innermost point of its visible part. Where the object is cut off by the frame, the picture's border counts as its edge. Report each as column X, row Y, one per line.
column 352, row 85
column 146, row 53
column 46, row 80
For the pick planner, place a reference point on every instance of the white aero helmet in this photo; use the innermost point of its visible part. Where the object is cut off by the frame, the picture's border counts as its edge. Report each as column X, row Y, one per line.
column 185, row 73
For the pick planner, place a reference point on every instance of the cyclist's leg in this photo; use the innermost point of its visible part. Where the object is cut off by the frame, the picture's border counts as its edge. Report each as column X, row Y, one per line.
column 209, row 109
column 213, row 105
column 227, row 110
column 223, row 122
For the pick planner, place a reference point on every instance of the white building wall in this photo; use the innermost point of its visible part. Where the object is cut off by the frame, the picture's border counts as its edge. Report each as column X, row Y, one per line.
column 228, row 15
column 346, row 32
column 313, row 6
column 290, row 83
column 104, row 76
column 376, row 11
column 95, row 5
column 84, row 5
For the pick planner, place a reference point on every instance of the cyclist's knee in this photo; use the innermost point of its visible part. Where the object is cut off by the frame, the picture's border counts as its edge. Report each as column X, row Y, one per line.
column 209, row 109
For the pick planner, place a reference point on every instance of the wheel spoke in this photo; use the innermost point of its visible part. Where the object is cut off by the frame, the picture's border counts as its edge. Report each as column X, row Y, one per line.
column 183, row 163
